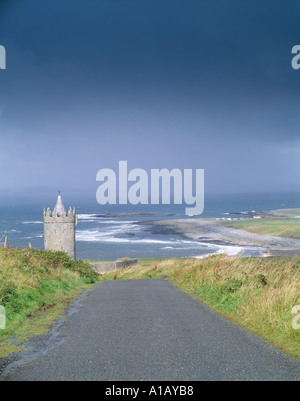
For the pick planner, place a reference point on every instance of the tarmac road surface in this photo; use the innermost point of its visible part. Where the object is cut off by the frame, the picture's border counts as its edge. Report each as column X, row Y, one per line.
column 148, row 329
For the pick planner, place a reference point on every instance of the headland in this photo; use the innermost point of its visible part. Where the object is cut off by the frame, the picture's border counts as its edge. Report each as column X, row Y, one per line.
column 270, row 233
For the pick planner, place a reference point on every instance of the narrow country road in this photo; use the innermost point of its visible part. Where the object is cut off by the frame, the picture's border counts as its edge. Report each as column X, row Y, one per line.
column 148, row 330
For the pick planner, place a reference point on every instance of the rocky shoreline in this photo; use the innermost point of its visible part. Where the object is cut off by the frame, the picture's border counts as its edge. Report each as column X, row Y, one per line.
column 211, row 232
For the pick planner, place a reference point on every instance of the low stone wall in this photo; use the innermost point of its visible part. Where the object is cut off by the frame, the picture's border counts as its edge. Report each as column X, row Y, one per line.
column 102, row 267
column 121, row 264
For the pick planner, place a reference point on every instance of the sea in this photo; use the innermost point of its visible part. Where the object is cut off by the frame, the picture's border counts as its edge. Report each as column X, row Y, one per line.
column 110, row 232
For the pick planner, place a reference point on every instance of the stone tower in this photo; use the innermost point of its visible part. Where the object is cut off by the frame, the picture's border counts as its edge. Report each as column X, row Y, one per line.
column 59, row 229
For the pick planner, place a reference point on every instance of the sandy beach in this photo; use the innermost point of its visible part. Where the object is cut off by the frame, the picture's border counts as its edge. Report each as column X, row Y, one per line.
column 230, row 240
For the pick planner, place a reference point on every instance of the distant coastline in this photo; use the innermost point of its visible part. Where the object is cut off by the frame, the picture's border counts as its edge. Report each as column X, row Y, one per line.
column 229, row 225
column 213, row 231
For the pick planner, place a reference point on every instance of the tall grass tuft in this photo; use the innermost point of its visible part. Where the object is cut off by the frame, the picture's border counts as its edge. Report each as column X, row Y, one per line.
column 33, row 280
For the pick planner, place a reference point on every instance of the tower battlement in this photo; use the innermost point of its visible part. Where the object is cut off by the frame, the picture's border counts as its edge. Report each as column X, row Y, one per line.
column 59, row 228
column 51, row 216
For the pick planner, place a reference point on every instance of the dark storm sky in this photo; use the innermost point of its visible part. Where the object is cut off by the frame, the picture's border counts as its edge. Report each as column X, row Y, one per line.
column 161, row 83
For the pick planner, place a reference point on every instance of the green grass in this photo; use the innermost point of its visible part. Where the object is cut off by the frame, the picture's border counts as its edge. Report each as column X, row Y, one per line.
column 35, row 286
column 287, row 228
column 292, row 212
column 256, row 293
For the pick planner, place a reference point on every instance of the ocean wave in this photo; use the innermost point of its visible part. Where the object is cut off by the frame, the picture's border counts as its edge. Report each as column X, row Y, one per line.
column 35, row 236
column 113, row 236
column 32, row 222
column 130, row 215
column 244, row 213
column 98, row 236
column 235, row 251
column 117, row 222
column 110, row 232
column 223, row 249
column 103, row 220
column 136, row 241
column 229, row 250
column 87, row 217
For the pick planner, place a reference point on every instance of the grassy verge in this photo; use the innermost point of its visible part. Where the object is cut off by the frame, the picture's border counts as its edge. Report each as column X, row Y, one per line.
column 295, row 212
column 256, row 293
column 35, row 287
column 287, row 228
column 288, row 212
